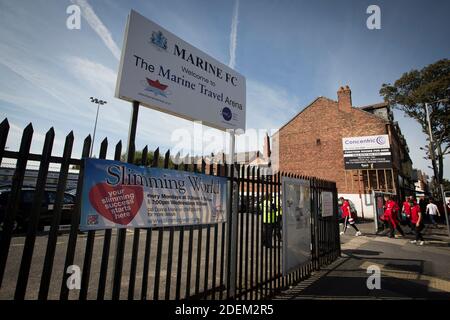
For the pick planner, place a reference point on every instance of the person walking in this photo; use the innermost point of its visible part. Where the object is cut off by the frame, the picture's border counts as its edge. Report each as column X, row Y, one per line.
column 417, row 223
column 391, row 216
column 423, row 205
column 406, row 212
column 347, row 216
column 433, row 211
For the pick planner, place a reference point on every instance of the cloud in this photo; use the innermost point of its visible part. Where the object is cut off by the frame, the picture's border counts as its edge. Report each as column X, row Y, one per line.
column 269, row 106
column 98, row 26
column 233, row 35
column 94, row 74
column 19, row 62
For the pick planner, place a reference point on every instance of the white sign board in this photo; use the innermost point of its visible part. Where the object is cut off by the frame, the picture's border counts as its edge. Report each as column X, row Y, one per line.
column 163, row 72
column 296, row 223
column 367, row 152
column 327, row 204
column 366, row 142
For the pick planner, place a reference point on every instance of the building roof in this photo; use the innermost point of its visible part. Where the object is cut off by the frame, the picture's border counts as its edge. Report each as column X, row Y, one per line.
column 364, row 109
column 301, row 111
column 241, row 157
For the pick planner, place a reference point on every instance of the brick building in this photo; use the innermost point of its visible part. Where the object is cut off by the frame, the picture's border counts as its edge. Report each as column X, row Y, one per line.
column 311, row 144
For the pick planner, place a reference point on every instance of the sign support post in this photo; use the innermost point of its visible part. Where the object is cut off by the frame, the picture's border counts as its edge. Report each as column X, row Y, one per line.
column 122, row 233
column 132, row 132
column 232, row 220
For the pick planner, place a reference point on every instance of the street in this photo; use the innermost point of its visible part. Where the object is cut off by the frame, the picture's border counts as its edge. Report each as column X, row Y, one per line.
column 408, row 271
column 17, row 246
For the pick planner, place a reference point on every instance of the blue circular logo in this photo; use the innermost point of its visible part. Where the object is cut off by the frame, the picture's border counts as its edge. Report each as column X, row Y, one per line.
column 381, row 140
column 226, row 114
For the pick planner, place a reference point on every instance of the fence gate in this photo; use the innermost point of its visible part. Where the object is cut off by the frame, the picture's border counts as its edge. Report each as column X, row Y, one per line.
column 378, row 208
column 189, row 262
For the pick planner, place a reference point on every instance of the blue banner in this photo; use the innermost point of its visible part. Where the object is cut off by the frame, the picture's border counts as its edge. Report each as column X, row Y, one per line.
column 121, row 195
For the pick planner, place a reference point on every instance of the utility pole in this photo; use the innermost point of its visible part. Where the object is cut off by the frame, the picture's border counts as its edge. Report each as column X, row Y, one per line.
column 435, row 169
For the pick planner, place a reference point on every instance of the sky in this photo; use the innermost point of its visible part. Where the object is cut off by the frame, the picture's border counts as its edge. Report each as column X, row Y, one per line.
column 289, row 51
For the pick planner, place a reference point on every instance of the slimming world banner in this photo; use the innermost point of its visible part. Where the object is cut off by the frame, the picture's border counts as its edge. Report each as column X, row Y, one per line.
column 121, row 195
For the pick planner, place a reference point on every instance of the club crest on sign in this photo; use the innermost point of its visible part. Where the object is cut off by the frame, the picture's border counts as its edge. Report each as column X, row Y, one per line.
column 159, row 40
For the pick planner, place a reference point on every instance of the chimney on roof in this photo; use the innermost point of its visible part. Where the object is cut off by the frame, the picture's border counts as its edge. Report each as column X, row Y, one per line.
column 344, row 99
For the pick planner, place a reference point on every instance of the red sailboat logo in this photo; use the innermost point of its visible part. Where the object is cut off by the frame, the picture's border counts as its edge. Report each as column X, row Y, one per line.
column 156, row 84
column 156, row 87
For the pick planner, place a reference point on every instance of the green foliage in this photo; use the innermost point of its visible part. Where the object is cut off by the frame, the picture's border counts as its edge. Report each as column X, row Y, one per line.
column 150, row 157
column 415, row 88
column 435, row 189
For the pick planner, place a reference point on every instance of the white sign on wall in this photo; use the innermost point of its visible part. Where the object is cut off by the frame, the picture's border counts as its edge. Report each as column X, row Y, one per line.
column 163, row 72
column 366, row 142
column 367, row 152
column 296, row 223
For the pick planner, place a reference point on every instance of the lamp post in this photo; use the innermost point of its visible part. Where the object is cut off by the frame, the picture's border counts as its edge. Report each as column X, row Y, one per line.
column 98, row 102
column 433, row 159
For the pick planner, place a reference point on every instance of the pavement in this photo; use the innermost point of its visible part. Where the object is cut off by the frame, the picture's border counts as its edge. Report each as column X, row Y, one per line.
column 407, row 271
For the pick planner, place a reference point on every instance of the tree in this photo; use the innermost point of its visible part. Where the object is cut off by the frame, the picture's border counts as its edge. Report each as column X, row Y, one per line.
column 410, row 93
column 150, row 156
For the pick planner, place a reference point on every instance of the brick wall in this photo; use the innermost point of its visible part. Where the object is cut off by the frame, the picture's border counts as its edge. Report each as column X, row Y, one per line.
column 311, row 143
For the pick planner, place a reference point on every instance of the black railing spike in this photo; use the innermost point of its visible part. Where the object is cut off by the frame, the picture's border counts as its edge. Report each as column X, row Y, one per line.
column 49, row 137
column 166, row 159
column 29, row 128
column 5, row 123
column 51, row 131
column 87, row 144
column 144, row 156
column 155, row 157
column 104, row 141
column 176, row 158
column 118, row 150
column 70, row 136
column 131, row 152
column 103, row 149
column 4, row 130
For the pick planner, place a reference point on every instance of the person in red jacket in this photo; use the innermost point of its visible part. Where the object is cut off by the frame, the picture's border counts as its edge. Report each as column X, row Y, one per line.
column 391, row 215
column 406, row 212
column 347, row 216
column 417, row 222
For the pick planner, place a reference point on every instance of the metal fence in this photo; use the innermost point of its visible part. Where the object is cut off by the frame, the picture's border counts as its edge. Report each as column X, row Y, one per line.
column 188, row 262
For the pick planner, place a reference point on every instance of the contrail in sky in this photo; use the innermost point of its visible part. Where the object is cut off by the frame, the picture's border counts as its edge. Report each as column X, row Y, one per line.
column 98, row 26
column 233, row 35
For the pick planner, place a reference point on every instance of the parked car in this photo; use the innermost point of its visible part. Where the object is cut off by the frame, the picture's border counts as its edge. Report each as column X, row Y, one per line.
column 26, row 203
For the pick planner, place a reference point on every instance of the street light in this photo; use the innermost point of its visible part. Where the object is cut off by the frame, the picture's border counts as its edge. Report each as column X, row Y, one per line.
column 433, row 159
column 98, row 102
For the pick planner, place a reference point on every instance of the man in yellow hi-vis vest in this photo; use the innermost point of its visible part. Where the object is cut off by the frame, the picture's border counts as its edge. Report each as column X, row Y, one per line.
column 271, row 219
